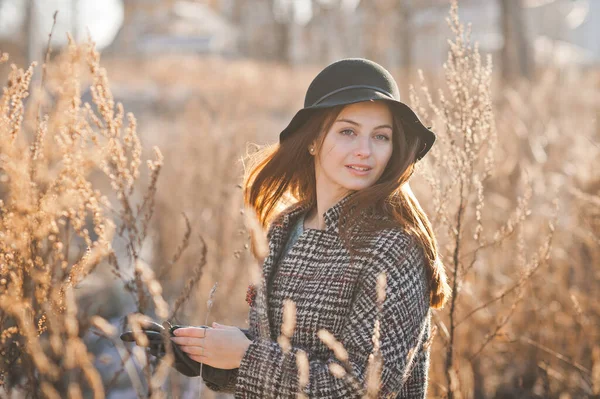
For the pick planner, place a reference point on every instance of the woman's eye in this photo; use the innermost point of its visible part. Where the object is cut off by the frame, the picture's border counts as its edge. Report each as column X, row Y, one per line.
column 380, row 137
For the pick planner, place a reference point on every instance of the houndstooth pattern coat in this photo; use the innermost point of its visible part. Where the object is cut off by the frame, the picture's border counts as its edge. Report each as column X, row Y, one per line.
column 332, row 294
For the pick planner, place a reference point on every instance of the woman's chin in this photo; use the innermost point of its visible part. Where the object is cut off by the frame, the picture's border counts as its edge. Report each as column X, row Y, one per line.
column 356, row 186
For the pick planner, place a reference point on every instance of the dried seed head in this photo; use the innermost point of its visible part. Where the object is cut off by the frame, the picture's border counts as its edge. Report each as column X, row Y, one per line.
column 303, row 369
column 376, row 336
column 103, row 326
column 337, row 370
column 71, row 323
column 211, row 295
column 381, row 287
column 259, row 243
column 75, row 391
column 289, row 318
column 284, row 343
column 154, row 288
column 162, row 371
column 7, row 333
column 140, row 354
column 338, row 349
column 49, row 391
column 596, row 370
column 158, row 394
column 56, row 344
column 373, row 375
column 162, row 307
column 135, row 321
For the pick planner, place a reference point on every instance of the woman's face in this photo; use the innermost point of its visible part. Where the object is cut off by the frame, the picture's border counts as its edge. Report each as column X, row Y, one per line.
column 360, row 138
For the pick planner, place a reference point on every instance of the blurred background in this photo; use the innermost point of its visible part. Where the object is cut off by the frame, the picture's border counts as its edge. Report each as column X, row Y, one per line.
column 397, row 33
column 206, row 78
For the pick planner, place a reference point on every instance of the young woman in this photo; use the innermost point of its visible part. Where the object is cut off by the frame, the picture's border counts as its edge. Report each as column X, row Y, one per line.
column 344, row 161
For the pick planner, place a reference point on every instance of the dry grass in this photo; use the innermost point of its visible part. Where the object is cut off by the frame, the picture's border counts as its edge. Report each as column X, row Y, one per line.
column 511, row 187
column 57, row 226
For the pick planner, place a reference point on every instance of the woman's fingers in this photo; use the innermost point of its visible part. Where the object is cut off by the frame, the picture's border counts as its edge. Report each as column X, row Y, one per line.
column 194, row 350
column 188, row 341
column 222, row 326
column 197, row 332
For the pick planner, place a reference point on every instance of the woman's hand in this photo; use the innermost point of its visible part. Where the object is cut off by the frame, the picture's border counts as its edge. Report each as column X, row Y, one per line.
column 221, row 346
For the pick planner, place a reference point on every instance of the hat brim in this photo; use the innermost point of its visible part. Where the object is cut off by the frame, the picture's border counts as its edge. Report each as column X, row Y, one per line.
column 407, row 115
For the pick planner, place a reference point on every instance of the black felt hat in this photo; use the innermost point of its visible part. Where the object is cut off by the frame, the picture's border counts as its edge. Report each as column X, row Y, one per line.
column 353, row 80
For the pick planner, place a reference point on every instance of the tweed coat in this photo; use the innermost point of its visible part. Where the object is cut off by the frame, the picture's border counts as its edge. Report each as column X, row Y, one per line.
column 333, row 294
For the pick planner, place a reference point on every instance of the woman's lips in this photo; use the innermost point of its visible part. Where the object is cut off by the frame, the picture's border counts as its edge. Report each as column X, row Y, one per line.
column 357, row 172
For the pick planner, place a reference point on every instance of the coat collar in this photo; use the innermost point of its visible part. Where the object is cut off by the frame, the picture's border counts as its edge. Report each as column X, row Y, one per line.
column 331, row 216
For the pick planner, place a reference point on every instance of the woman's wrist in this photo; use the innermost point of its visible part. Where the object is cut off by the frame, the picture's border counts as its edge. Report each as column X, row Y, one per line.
column 248, row 343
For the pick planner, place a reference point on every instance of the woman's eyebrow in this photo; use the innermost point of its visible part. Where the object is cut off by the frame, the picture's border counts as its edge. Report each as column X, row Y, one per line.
column 358, row 124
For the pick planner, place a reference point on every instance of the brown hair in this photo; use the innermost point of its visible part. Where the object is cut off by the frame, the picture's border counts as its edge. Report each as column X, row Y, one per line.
column 278, row 174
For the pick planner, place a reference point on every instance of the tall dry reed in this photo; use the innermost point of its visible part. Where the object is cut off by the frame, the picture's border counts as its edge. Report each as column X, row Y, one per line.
column 58, row 220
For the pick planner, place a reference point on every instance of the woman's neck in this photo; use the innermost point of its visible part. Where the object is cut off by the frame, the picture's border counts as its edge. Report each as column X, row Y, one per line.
column 314, row 218
column 310, row 220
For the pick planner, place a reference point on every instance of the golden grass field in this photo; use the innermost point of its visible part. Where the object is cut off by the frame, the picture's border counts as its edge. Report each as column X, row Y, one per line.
column 104, row 214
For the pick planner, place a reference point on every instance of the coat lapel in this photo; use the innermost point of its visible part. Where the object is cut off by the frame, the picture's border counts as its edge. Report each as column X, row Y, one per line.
column 277, row 238
column 279, row 235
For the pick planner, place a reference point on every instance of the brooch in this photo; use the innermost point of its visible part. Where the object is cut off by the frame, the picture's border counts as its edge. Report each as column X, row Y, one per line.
column 251, row 295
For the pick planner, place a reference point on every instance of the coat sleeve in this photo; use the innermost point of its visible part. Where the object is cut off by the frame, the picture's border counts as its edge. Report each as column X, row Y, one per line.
column 229, row 383
column 266, row 371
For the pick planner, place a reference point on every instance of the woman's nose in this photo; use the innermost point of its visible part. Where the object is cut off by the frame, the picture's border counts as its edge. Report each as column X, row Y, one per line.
column 363, row 148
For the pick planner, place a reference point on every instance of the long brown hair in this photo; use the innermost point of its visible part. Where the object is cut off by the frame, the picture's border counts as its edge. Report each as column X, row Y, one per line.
column 281, row 174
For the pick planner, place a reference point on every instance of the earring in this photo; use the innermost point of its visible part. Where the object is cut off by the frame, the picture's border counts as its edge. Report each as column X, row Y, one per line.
column 311, row 150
